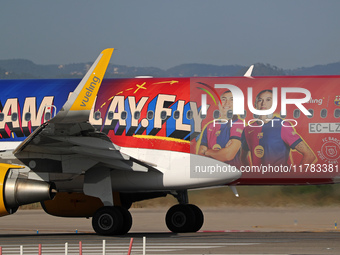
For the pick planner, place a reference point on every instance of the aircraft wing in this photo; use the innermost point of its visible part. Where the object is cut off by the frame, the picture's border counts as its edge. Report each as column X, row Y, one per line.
column 68, row 143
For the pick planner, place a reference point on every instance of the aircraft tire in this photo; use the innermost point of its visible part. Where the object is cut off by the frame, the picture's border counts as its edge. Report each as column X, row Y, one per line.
column 127, row 220
column 199, row 218
column 180, row 219
column 108, row 220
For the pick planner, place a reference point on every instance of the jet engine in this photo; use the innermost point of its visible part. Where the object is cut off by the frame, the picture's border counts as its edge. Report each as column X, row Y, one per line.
column 16, row 189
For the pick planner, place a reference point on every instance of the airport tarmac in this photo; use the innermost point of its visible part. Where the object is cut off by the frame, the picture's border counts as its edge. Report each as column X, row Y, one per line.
column 227, row 230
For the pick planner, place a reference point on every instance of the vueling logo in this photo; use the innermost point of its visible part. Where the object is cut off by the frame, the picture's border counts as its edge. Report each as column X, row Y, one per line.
column 89, row 91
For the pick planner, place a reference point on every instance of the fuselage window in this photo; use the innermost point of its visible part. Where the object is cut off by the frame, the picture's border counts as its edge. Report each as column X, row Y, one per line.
column 27, row 116
column 229, row 114
column 97, row 115
column 256, row 116
column 244, row 115
column 48, row 112
column 150, row 115
column 110, row 115
column 190, row 115
column 47, row 116
column 203, row 116
column 216, row 114
column 296, row 113
column 283, row 116
column 14, row 116
column 337, row 113
column 123, row 115
column 323, row 113
column 136, row 115
column 163, row 115
column 176, row 115
column 311, row 111
column 2, row 116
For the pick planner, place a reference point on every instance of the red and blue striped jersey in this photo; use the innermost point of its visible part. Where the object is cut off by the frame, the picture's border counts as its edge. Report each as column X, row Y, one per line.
column 216, row 136
column 270, row 143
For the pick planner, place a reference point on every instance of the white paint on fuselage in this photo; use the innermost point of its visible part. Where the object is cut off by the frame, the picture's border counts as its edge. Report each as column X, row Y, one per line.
column 9, row 145
column 173, row 172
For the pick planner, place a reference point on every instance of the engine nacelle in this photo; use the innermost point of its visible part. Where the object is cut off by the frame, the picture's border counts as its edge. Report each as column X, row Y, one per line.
column 16, row 190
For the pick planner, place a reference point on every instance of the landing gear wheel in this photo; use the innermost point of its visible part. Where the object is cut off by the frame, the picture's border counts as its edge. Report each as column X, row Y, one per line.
column 180, row 219
column 127, row 220
column 199, row 218
column 108, row 220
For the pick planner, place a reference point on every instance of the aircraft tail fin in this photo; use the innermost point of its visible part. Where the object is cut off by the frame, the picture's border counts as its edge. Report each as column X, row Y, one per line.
column 249, row 72
column 77, row 108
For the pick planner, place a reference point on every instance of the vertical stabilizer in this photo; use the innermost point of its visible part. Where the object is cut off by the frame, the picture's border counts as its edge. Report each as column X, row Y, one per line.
column 249, row 72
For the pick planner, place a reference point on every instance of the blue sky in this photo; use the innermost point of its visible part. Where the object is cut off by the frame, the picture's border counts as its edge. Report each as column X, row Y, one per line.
column 159, row 33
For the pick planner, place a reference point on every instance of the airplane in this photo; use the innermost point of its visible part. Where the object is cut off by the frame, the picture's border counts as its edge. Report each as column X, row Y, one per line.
column 91, row 148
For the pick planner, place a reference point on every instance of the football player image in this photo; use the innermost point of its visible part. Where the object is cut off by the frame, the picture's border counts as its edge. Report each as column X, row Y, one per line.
column 269, row 142
column 221, row 139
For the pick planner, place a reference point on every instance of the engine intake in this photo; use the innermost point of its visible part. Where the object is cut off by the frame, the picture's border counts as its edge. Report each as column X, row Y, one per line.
column 18, row 190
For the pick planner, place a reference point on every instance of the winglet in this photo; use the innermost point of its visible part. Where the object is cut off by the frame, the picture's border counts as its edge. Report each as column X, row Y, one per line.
column 249, row 71
column 77, row 108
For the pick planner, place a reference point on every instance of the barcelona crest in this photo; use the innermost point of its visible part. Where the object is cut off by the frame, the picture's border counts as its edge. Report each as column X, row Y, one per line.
column 331, row 151
column 337, row 100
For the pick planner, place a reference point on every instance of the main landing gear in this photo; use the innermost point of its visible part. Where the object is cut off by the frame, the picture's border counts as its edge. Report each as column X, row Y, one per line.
column 112, row 220
column 184, row 217
column 180, row 218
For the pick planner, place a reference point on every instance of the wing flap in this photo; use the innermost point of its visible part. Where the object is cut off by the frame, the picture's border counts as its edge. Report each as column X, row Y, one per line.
column 91, row 142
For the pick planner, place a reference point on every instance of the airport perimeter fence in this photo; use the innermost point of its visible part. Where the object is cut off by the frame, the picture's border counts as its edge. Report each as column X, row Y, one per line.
column 72, row 249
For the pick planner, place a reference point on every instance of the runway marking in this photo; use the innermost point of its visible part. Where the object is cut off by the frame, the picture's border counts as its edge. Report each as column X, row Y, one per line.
column 116, row 248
